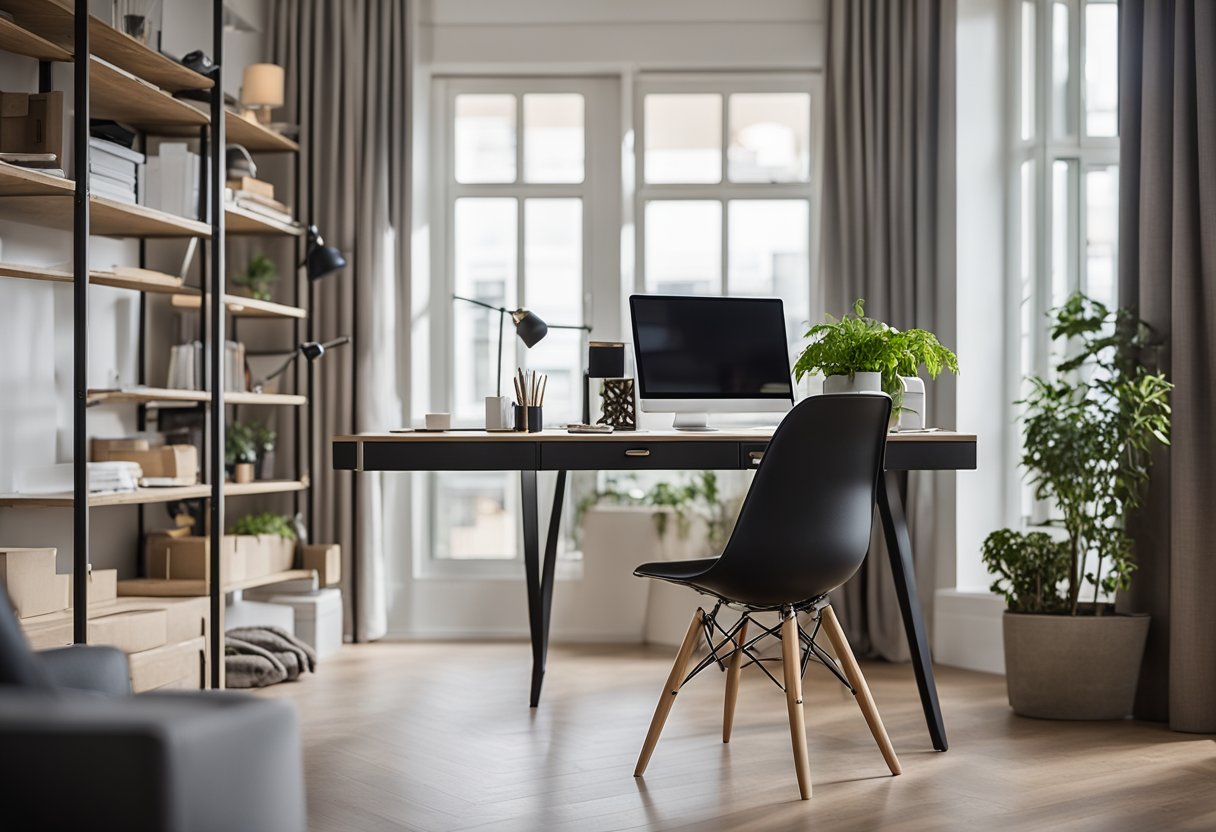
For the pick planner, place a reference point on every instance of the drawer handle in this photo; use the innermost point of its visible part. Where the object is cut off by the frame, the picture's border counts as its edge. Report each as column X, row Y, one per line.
column 637, row 452
column 755, row 456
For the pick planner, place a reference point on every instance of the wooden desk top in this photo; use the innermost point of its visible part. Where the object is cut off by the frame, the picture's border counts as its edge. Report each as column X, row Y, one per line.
column 761, row 434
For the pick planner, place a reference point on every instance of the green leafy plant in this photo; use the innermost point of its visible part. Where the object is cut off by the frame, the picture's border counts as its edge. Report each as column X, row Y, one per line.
column 266, row 522
column 263, row 436
column 258, row 276
column 240, row 445
column 856, row 344
column 700, row 497
column 1089, row 433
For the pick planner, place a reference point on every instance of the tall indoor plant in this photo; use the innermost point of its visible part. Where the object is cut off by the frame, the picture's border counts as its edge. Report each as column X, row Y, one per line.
column 1089, row 432
column 856, row 353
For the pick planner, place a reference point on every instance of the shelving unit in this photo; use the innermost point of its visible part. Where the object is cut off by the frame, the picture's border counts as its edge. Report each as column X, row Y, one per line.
column 120, row 78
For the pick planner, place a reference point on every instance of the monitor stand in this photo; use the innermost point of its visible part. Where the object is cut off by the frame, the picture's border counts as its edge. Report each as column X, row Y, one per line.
column 692, row 422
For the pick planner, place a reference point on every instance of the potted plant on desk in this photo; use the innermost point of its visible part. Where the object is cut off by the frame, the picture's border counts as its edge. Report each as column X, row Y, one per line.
column 1089, row 431
column 856, row 354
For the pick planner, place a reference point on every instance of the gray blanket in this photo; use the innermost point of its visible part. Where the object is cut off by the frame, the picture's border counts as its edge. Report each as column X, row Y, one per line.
column 255, row 657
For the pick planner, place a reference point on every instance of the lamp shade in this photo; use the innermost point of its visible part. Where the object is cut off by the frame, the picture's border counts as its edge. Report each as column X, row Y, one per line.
column 263, row 86
column 529, row 327
column 324, row 260
column 605, row 359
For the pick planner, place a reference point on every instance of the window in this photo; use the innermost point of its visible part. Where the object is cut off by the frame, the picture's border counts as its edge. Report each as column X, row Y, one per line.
column 514, row 198
column 725, row 188
column 1064, row 172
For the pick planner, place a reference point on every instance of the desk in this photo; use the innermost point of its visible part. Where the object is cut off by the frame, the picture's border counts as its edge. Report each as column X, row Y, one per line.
column 559, row 451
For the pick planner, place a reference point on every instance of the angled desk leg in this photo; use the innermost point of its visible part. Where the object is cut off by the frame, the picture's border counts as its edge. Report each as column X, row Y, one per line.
column 540, row 577
column 899, row 550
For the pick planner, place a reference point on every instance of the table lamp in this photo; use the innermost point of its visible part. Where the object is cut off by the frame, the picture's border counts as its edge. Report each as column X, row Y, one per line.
column 605, row 359
column 262, row 89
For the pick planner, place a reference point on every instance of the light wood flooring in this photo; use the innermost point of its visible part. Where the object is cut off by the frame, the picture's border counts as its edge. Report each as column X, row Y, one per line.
column 439, row 737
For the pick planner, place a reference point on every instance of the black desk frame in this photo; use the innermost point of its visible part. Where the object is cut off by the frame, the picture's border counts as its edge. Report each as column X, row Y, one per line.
column 563, row 453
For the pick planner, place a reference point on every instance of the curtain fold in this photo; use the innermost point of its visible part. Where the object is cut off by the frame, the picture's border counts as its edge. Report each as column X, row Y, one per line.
column 1167, row 268
column 348, row 87
column 887, row 234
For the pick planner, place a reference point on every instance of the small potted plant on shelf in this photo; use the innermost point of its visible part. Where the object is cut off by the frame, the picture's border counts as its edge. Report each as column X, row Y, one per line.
column 1089, row 432
column 266, row 541
column 264, row 438
column 858, row 354
column 240, row 452
column 258, row 277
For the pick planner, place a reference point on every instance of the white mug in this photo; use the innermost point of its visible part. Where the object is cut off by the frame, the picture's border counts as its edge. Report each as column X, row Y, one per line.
column 438, row 421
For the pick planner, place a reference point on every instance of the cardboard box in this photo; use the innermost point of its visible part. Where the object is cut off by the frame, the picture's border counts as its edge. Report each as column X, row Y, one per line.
column 168, row 665
column 185, row 619
column 175, row 462
column 189, row 558
column 32, row 123
column 265, row 554
column 103, row 587
column 326, row 559
column 131, row 631
column 102, row 447
column 28, row 575
column 252, row 186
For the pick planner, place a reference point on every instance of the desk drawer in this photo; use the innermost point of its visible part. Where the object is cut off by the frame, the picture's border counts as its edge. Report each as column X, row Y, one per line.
column 638, row 456
column 449, row 456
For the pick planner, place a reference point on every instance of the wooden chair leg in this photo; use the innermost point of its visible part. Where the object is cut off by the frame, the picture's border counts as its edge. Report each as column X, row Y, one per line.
column 669, row 692
column 732, row 684
column 861, row 690
column 791, row 662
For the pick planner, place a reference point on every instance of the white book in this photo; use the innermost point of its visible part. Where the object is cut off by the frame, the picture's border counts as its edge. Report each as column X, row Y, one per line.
column 105, row 147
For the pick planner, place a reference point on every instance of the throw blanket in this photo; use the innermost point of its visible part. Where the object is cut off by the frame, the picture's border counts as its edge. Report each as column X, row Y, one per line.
column 255, row 657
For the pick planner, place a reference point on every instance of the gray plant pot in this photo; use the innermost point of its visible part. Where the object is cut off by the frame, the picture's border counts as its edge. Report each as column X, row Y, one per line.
column 1073, row 667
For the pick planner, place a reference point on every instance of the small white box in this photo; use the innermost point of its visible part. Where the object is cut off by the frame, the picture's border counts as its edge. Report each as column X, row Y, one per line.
column 318, row 617
column 912, row 416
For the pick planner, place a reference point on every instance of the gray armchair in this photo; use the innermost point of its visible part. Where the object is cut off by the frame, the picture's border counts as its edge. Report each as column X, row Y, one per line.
column 78, row 751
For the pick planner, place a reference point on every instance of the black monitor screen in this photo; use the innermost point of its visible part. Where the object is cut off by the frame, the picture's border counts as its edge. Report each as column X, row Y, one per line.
column 710, row 348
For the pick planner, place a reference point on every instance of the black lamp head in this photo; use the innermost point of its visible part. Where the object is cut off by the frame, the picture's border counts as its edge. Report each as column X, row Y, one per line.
column 312, row 350
column 529, row 327
column 321, row 259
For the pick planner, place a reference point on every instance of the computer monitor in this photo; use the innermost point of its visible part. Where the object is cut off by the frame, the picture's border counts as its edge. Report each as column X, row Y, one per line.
column 697, row 355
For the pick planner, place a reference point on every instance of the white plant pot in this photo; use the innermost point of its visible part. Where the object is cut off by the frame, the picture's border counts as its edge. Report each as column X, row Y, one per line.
column 856, row 383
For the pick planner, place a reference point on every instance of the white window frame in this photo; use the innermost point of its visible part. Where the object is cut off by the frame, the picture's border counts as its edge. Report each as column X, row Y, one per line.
column 724, row 84
column 600, row 267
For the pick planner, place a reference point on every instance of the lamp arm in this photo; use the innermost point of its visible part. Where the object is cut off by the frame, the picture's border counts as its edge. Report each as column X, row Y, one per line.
column 282, row 369
column 584, row 327
column 479, row 303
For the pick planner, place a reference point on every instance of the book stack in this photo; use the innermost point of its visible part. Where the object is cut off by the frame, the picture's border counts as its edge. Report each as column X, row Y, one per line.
column 104, row 477
column 114, row 171
column 259, row 203
column 186, row 367
column 173, row 180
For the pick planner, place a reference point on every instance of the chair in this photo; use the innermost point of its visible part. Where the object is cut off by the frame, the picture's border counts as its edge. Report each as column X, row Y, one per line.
column 78, row 751
column 802, row 532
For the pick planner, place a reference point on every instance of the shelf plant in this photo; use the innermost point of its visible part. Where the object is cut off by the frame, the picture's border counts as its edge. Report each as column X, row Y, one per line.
column 855, row 344
column 258, row 277
column 265, row 523
column 1089, row 432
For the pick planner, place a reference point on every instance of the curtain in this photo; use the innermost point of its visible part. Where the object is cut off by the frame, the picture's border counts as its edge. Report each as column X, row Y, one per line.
column 348, row 87
column 1167, row 268
column 887, row 233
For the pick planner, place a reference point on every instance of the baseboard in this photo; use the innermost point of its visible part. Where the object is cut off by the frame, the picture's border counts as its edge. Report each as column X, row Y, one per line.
column 967, row 630
column 507, row 634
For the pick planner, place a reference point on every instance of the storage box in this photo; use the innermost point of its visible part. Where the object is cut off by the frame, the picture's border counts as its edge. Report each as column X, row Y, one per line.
column 29, row 577
column 32, row 123
column 264, row 554
column 103, row 587
column 318, row 617
column 326, row 559
column 168, row 665
column 189, row 558
column 131, row 631
column 178, row 463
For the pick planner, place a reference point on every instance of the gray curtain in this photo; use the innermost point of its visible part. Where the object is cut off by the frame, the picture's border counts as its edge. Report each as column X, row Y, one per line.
column 1167, row 267
column 348, row 87
column 887, row 232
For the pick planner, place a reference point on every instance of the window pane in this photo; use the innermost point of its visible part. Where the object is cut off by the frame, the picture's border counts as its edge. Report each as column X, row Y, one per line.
column 683, row 138
column 770, row 137
column 484, row 238
column 475, row 515
column 485, row 138
column 1102, row 233
column 553, row 285
column 1028, row 73
column 1026, row 295
column 684, row 247
column 553, row 138
column 1063, row 230
column 767, row 250
column 1101, row 69
column 1063, row 112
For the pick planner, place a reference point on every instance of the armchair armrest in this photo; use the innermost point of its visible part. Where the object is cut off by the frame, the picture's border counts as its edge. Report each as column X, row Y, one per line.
column 100, row 669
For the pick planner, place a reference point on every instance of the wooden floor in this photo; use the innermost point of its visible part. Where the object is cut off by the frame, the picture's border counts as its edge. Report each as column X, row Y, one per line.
column 439, row 737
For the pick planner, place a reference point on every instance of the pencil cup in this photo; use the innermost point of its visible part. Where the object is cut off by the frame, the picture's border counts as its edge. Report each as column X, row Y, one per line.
column 528, row 419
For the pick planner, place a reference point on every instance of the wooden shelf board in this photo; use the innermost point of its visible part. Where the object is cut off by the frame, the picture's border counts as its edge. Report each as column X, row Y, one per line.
column 126, row 498
column 232, row 489
column 181, row 588
column 20, row 41
column 243, row 307
column 288, row 399
column 137, row 284
column 144, row 395
column 16, row 181
column 107, row 218
column 256, row 138
column 119, row 95
column 244, row 222
column 54, row 20
column 273, row 578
